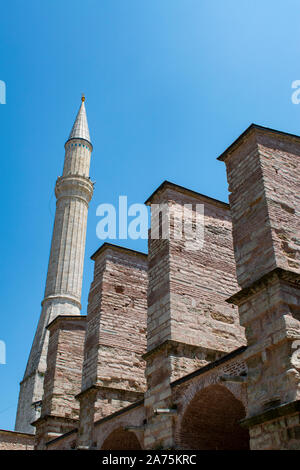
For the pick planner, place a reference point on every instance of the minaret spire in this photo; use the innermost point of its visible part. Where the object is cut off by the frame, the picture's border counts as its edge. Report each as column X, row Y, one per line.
column 80, row 129
column 73, row 191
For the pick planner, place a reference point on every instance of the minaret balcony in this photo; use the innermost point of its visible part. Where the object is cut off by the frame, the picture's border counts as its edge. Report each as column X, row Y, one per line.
column 74, row 186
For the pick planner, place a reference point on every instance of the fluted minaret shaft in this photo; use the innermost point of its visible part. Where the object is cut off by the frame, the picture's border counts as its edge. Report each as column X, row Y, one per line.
column 73, row 192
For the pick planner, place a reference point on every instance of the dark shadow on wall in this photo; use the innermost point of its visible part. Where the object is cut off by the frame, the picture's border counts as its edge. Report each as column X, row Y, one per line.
column 211, row 422
column 120, row 439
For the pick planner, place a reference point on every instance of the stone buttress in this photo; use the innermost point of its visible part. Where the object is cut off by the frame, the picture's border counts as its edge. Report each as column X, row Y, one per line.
column 113, row 370
column 263, row 170
column 60, row 408
column 189, row 323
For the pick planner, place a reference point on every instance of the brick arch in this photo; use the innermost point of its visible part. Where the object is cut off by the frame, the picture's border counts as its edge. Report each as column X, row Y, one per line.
column 184, row 396
column 121, row 439
column 210, row 421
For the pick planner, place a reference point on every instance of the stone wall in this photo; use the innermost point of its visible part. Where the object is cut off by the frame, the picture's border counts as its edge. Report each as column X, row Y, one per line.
column 201, row 277
column 277, row 434
column 209, row 408
column 113, row 370
column 67, row 441
column 60, row 408
column 116, row 322
column 128, row 420
column 201, row 381
column 189, row 322
column 11, row 440
column 64, row 367
column 263, row 172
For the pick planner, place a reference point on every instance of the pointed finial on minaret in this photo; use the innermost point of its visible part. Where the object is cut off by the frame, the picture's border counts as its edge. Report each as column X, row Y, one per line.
column 80, row 129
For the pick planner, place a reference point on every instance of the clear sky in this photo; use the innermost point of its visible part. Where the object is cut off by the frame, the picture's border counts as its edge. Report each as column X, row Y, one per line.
column 169, row 84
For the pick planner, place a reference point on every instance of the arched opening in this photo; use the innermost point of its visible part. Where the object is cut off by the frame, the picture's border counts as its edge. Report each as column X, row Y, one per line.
column 211, row 421
column 120, row 439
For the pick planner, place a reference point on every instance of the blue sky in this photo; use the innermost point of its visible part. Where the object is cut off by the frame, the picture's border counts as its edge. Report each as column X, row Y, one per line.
column 169, row 85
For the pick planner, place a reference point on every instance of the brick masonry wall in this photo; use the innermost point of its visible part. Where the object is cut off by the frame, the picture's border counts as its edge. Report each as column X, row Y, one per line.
column 189, row 323
column 116, row 430
column 51, row 427
column 201, row 280
column 60, row 408
column 185, row 358
column 115, row 338
column 200, row 420
column 158, row 432
column 280, row 162
column 133, row 419
column 116, row 330
column 64, row 367
column 194, row 284
column 11, row 440
column 271, row 328
column 110, row 400
column 66, row 442
column 278, row 434
column 253, row 248
column 263, row 173
column 211, row 422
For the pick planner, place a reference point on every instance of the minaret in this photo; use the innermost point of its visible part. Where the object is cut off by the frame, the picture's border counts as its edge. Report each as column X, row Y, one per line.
column 73, row 191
